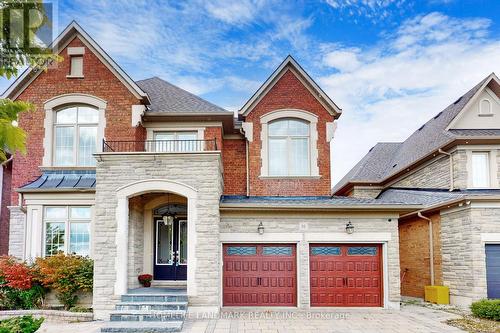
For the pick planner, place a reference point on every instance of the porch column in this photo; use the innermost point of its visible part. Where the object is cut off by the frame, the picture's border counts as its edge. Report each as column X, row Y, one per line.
column 191, row 240
column 121, row 245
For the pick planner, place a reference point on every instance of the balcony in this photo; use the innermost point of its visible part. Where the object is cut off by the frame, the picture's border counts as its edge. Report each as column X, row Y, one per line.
column 159, row 146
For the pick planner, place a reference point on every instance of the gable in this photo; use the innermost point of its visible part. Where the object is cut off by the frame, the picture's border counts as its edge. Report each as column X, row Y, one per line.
column 482, row 113
column 290, row 65
column 71, row 32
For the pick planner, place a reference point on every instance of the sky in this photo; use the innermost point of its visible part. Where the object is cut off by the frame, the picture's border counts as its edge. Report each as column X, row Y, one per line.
column 389, row 64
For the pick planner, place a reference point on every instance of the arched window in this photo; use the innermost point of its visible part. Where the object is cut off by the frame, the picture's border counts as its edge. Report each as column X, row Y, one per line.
column 288, row 140
column 485, row 107
column 75, row 135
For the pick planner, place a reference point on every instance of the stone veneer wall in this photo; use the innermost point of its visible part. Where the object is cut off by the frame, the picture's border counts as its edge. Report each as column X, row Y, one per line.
column 437, row 173
column 247, row 222
column 200, row 171
column 135, row 241
column 16, row 232
column 463, row 253
column 365, row 193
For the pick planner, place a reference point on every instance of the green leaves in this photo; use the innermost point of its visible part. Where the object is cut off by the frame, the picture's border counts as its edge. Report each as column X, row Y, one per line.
column 12, row 138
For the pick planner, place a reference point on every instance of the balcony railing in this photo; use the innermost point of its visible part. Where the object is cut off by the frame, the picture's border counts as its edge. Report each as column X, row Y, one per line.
column 159, row 146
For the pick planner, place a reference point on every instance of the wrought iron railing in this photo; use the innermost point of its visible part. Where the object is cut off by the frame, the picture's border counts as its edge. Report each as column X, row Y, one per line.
column 159, row 146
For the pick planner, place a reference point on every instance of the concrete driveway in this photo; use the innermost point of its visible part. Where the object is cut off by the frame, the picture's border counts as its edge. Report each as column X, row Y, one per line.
column 411, row 319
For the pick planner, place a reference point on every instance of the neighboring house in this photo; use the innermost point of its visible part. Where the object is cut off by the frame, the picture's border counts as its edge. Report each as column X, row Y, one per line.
column 450, row 165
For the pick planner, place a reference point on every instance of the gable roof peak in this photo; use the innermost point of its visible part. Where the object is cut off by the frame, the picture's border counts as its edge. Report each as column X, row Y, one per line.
column 72, row 30
column 290, row 61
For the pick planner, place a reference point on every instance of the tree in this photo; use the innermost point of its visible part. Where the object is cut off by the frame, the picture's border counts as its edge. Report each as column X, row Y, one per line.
column 17, row 51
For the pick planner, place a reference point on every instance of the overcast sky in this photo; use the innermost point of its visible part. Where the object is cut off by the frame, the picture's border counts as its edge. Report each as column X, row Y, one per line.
column 389, row 64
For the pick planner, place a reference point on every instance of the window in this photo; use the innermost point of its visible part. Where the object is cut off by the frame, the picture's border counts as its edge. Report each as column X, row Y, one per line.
column 288, row 141
column 58, row 221
column 480, row 169
column 76, row 66
column 75, row 133
column 485, row 107
column 177, row 141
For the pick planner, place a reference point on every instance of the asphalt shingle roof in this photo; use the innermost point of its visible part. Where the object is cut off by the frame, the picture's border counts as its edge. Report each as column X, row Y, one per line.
column 429, row 197
column 322, row 201
column 386, row 159
column 165, row 97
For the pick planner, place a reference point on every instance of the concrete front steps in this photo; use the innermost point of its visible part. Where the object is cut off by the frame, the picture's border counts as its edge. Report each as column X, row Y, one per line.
column 154, row 310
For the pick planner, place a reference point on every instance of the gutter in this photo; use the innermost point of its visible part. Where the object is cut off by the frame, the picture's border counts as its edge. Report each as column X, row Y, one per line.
column 261, row 206
column 431, row 246
column 452, row 183
column 246, row 162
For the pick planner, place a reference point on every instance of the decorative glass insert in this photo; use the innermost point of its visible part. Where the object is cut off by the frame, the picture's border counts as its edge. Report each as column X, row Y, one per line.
column 241, row 251
column 183, row 242
column 325, row 251
column 277, row 251
column 362, row 251
column 164, row 239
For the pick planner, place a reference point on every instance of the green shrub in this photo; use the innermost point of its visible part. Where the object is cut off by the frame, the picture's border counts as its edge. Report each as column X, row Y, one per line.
column 486, row 308
column 15, row 299
column 80, row 309
column 66, row 275
column 24, row 324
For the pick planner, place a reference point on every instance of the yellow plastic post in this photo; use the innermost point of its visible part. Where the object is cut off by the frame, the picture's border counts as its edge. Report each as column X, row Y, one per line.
column 437, row 294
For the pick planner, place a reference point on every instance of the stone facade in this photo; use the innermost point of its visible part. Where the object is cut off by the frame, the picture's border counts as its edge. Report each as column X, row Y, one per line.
column 433, row 175
column 136, row 241
column 309, row 226
column 463, row 251
column 201, row 171
column 16, row 234
column 365, row 192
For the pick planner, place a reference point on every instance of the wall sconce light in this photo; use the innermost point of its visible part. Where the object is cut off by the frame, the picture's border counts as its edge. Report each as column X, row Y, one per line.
column 349, row 228
column 260, row 229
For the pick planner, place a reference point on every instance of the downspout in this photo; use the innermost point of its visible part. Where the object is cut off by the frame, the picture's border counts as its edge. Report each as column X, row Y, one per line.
column 452, row 183
column 431, row 246
column 246, row 161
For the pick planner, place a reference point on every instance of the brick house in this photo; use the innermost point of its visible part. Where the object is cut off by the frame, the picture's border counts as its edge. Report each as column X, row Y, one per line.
column 145, row 177
column 450, row 165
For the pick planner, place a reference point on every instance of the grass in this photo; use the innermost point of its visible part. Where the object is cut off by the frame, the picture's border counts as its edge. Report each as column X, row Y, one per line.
column 475, row 325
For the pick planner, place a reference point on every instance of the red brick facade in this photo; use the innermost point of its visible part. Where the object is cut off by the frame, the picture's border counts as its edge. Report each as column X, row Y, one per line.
column 289, row 92
column 415, row 257
column 235, row 167
column 98, row 81
column 4, row 211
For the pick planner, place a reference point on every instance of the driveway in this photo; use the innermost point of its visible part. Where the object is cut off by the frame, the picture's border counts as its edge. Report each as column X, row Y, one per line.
column 411, row 319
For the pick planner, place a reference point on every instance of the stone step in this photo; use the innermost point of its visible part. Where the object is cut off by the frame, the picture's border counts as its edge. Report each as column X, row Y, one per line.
column 147, row 315
column 156, row 298
column 142, row 327
column 151, row 306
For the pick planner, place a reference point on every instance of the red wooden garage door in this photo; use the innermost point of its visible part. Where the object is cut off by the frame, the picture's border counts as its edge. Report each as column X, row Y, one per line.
column 259, row 275
column 345, row 275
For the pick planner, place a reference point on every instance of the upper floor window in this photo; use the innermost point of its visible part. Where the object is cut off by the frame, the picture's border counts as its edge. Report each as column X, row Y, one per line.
column 480, row 169
column 288, row 141
column 76, row 66
column 177, row 141
column 67, row 230
column 75, row 136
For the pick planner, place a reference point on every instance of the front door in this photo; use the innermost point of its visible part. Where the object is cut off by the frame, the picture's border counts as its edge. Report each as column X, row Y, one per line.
column 170, row 257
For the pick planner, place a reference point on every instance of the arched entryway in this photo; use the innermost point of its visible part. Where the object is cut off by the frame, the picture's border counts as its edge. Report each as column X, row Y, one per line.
column 148, row 187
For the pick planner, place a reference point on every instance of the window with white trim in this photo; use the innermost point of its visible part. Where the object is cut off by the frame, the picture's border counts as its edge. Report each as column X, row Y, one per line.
column 485, row 107
column 75, row 136
column 76, row 66
column 67, row 230
column 480, row 169
column 177, row 141
column 288, row 147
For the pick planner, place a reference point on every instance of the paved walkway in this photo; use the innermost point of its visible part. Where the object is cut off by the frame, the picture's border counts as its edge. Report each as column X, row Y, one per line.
column 411, row 319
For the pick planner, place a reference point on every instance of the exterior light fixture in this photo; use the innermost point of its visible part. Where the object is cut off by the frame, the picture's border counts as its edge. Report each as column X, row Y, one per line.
column 260, row 229
column 168, row 220
column 349, row 228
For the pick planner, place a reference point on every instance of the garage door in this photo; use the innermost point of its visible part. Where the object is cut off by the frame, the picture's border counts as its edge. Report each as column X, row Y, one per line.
column 259, row 275
column 345, row 275
column 493, row 270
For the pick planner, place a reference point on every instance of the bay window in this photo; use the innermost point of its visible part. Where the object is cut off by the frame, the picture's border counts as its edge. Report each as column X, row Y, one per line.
column 75, row 136
column 288, row 147
column 67, row 230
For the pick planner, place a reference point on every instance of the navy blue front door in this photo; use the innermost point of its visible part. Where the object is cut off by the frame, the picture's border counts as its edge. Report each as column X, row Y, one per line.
column 170, row 255
column 493, row 270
